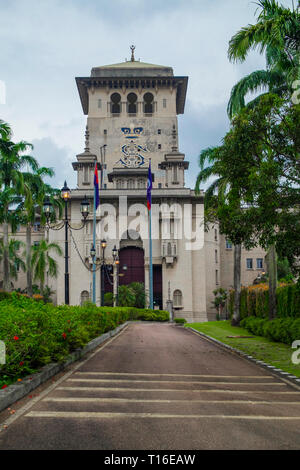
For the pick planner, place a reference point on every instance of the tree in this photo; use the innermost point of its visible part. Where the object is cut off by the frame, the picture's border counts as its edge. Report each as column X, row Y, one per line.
column 261, row 154
column 42, row 262
column 277, row 34
column 38, row 189
column 216, row 197
column 12, row 162
column 14, row 259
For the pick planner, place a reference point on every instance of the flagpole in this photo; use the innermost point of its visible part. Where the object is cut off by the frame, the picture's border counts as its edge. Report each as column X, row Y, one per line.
column 149, row 196
column 150, row 261
column 94, row 245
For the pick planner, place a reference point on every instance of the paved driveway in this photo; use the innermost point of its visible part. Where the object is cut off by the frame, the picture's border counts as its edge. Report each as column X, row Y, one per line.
column 158, row 386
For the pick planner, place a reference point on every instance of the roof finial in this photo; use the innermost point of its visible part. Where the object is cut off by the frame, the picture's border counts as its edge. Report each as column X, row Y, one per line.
column 87, row 139
column 132, row 53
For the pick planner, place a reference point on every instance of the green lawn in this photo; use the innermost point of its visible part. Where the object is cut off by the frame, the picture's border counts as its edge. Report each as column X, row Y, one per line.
column 275, row 354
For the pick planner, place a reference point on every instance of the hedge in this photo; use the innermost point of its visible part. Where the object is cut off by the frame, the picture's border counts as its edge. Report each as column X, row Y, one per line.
column 283, row 330
column 36, row 333
column 255, row 301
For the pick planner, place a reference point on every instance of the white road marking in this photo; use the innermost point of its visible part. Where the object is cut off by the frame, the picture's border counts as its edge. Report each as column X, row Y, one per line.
column 143, row 400
column 177, row 382
column 99, row 415
column 134, row 374
column 95, row 389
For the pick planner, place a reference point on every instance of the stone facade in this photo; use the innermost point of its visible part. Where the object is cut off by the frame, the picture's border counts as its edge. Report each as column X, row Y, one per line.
column 132, row 113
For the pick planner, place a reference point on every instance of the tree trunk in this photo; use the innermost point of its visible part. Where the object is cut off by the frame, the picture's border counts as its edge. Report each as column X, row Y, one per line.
column 28, row 260
column 237, row 285
column 271, row 260
column 6, row 280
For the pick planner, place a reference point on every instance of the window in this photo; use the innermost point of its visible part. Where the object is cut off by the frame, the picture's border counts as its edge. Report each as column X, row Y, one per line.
column 36, row 226
column 216, row 256
column 159, row 185
column 169, row 249
column 105, row 131
column 130, row 184
column 115, row 103
column 85, row 174
column 164, row 103
column 99, row 103
column 131, row 103
column 17, row 265
column 216, row 234
column 217, row 277
column 159, row 146
column 36, row 243
column 177, row 298
column 148, row 103
column 141, row 184
column 120, row 184
column 175, row 177
column 228, row 245
column 84, row 297
column 159, row 131
column 249, row 263
column 259, row 263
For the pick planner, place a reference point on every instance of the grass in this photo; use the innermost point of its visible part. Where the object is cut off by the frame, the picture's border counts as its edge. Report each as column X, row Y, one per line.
column 275, row 354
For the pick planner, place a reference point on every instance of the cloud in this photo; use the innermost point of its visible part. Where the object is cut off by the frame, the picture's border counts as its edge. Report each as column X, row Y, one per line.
column 50, row 155
column 46, row 44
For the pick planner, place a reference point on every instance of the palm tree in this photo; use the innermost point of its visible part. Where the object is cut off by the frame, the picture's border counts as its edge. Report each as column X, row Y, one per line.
column 38, row 189
column 14, row 260
column 277, row 34
column 12, row 162
column 211, row 167
column 42, row 262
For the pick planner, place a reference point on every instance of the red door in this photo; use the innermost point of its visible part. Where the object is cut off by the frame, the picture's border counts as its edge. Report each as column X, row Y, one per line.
column 133, row 258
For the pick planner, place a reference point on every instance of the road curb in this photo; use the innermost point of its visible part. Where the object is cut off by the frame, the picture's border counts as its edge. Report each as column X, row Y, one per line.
column 15, row 392
column 285, row 376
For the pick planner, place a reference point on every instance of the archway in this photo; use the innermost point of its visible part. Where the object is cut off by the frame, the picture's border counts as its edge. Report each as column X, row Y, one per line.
column 133, row 258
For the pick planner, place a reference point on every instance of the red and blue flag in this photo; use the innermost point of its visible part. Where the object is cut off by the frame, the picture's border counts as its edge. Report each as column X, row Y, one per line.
column 96, row 186
column 149, row 188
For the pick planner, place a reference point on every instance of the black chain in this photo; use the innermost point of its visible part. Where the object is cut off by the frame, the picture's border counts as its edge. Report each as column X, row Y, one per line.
column 77, row 250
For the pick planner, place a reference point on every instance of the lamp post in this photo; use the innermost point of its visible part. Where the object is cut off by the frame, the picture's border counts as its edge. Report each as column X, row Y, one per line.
column 48, row 210
column 116, row 275
column 103, row 246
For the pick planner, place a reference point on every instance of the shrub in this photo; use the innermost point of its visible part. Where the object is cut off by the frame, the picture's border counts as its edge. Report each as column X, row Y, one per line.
column 38, row 333
column 180, row 320
column 283, row 330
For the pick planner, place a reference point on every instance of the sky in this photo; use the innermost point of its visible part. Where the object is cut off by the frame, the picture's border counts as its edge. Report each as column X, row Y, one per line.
column 45, row 44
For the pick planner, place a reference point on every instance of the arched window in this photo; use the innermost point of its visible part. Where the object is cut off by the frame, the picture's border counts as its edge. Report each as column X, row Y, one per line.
column 141, row 184
column 169, row 249
column 115, row 103
column 177, row 298
column 84, row 297
column 131, row 103
column 148, row 103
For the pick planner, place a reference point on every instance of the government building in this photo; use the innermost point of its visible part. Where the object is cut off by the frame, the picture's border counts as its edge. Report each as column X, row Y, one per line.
column 132, row 110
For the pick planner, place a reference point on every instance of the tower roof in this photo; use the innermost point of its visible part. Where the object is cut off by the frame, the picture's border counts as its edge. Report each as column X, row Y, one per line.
column 132, row 68
column 132, row 73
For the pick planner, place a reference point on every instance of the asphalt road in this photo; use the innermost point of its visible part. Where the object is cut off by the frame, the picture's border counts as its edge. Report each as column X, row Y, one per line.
column 154, row 387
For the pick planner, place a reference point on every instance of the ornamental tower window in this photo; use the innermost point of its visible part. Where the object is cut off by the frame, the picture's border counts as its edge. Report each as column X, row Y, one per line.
column 132, row 103
column 115, row 103
column 148, row 103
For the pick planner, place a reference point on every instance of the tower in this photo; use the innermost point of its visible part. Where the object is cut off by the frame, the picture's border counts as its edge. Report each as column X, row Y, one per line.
column 132, row 110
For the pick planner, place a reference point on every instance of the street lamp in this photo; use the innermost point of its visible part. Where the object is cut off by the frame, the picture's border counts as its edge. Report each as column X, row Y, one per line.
column 116, row 275
column 103, row 246
column 48, row 210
